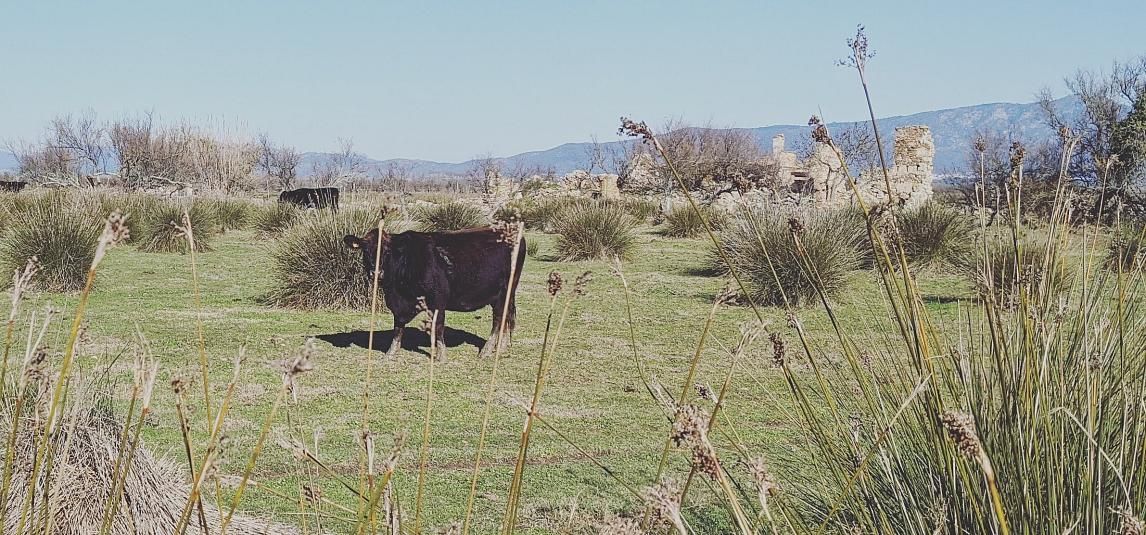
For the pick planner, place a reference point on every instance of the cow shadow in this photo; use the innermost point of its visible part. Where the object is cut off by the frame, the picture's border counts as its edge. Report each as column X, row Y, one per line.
column 413, row 339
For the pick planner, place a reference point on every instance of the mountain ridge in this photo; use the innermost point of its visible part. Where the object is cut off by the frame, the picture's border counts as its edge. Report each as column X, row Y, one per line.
column 951, row 130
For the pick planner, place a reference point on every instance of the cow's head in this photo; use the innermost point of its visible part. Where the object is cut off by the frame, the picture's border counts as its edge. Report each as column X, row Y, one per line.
column 368, row 244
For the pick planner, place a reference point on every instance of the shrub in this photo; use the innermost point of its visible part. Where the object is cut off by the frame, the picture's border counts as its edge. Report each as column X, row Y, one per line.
column 449, row 216
column 62, row 239
column 1000, row 272
column 934, row 234
column 641, row 209
column 313, row 267
column 760, row 245
column 277, row 217
column 683, row 221
column 1126, row 248
column 594, row 229
column 137, row 207
column 231, row 214
column 160, row 231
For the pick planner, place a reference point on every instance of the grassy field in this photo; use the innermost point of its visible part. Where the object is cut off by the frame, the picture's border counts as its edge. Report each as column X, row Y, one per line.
column 594, row 395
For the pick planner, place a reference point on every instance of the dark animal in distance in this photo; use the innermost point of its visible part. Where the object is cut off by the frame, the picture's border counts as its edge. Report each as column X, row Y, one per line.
column 461, row 270
column 317, row 198
column 12, row 186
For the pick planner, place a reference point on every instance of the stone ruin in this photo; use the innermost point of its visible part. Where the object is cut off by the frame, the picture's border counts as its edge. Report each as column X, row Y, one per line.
column 819, row 180
column 821, row 176
column 815, row 181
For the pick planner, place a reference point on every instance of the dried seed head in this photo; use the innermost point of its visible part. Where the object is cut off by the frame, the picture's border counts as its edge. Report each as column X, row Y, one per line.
column 632, row 128
column 727, row 296
column 795, row 225
column 1130, row 523
column 689, row 425
column 779, row 351
column 749, row 332
column 1018, row 153
column 178, row 385
column 114, row 232
column 704, row 460
column 663, row 499
column 620, row 526
column 766, row 486
column 860, row 51
column 980, row 144
column 705, row 392
column 961, row 427
column 21, row 282
column 555, row 283
column 793, row 321
column 312, row 493
column 581, row 283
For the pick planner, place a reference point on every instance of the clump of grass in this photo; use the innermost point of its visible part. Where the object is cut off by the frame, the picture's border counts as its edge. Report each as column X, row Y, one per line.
column 532, row 248
column 594, row 229
column 138, row 208
column 449, row 216
column 762, row 246
column 62, row 239
column 231, row 214
column 1126, row 249
column 161, row 231
column 684, row 222
column 274, row 219
column 1000, row 272
column 641, row 209
column 314, row 269
column 934, row 234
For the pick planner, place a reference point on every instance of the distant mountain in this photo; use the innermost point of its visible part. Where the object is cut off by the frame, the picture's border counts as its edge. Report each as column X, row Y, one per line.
column 8, row 161
column 951, row 129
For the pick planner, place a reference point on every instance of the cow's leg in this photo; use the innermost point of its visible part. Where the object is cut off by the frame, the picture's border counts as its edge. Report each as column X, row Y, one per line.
column 400, row 321
column 439, row 350
column 510, row 324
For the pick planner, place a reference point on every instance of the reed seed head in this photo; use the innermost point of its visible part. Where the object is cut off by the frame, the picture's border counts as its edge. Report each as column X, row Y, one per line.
column 582, row 282
column 663, row 499
column 632, row 128
column 555, row 283
column 779, row 351
column 961, row 427
column 705, row 392
column 1130, row 523
column 620, row 526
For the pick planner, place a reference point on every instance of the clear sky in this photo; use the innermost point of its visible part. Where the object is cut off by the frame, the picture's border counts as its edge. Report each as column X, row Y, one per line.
column 451, row 80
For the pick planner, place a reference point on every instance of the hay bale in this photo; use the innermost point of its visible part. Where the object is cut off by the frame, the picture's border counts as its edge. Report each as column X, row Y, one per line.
column 85, row 450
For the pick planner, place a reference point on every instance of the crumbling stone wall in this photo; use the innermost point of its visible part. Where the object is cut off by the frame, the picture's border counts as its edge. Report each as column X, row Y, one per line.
column 912, row 171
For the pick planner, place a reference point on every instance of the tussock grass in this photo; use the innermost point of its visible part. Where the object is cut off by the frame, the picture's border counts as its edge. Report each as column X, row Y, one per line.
column 62, row 239
column 231, row 214
column 684, row 222
column 784, row 263
column 594, row 229
column 161, row 231
column 934, row 235
column 449, row 216
column 275, row 218
column 314, row 269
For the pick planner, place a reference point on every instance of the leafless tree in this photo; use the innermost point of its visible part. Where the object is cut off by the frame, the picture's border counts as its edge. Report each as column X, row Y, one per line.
column 86, row 141
column 279, row 164
column 218, row 163
column 596, row 157
column 482, row 171
column 1106, row 99
column 339, row 167
column 146, row 152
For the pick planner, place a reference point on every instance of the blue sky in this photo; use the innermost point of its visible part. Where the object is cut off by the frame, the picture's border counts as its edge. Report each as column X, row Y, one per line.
column 451, row 80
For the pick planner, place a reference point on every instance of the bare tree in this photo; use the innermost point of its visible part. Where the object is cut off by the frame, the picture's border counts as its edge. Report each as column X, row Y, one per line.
column 340, row 167
column 85, row 139
column 146, row 153
column 596, row 158
column 482, row 172
column 1106, row 100
column 279, row 164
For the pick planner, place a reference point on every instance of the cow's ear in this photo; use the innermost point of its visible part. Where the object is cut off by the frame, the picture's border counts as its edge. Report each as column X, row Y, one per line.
column 352, row 241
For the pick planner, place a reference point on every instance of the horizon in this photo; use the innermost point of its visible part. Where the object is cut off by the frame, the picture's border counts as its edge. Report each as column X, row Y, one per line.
column 389, row 77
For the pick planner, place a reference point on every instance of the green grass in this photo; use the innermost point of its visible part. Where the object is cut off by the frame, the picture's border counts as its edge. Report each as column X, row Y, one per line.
column 593, row 393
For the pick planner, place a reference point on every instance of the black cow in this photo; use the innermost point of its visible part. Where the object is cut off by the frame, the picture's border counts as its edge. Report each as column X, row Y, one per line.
column 462, row 271
column 13, row 187
column 317, row 198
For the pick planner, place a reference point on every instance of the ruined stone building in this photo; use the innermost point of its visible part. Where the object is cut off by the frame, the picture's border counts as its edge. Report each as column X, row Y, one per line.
column 821, row 176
